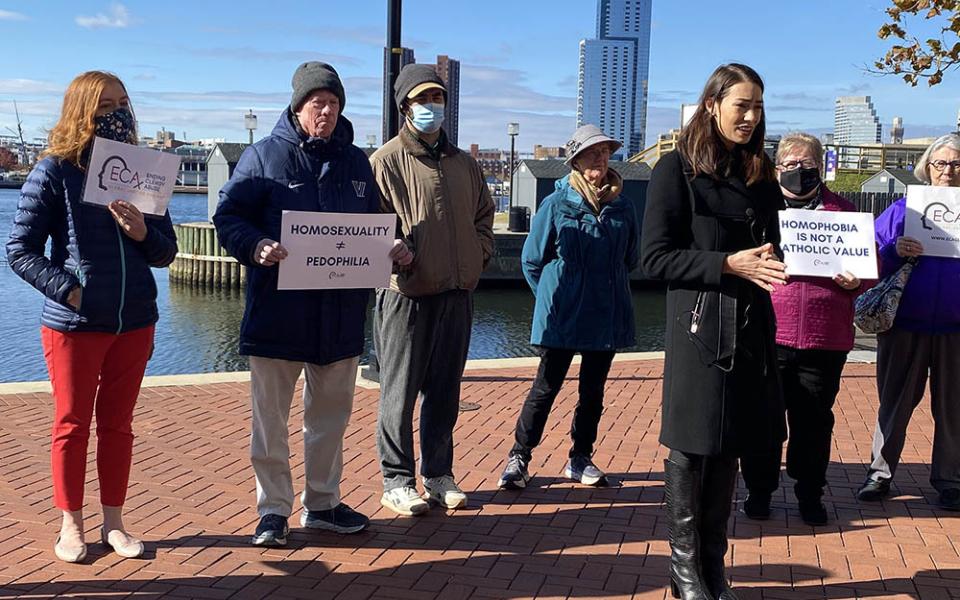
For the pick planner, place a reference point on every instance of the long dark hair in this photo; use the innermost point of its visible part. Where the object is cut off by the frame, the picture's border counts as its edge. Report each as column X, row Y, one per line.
column 701, row 143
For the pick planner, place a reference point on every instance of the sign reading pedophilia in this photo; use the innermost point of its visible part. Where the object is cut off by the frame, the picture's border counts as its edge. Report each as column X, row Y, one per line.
column 933, row 218
column 823, row 243
column 335, row 250
column 141, row 176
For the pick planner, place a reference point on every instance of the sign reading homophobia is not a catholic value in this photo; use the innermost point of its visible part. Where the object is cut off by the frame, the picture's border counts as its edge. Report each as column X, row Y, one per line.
column 823, row 243
column 335, row 250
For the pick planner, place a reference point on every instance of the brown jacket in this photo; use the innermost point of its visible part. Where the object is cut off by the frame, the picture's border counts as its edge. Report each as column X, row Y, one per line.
column 444, row 211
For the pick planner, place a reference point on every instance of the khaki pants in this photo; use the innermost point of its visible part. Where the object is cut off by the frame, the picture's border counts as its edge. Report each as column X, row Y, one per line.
column 327, row 403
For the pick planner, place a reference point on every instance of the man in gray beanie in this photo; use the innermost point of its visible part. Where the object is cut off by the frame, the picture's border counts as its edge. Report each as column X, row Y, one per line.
column 308, row 162
column 422, row 322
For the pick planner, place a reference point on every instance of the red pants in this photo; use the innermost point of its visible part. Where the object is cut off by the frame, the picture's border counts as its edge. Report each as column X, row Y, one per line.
column 89, row 372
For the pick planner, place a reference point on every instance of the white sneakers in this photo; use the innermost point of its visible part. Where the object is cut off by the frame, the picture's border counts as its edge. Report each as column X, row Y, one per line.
column 441, row 490
column 404, row 501
column 444, row 491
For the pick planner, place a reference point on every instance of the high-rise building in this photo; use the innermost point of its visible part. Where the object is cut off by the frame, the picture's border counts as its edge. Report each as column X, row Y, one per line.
column 449, row 71
column 406, row 58
column 855, row 121
column 612, row 82
column 896, row 132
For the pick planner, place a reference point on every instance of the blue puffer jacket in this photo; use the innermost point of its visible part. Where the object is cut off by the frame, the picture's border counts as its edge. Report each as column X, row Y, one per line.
column 578, row 265
column 278, row 173
column 88, row 249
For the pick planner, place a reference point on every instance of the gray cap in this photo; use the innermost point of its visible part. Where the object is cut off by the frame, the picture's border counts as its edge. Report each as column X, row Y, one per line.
column 586, row 136
column 315, row 75
column 415, row 78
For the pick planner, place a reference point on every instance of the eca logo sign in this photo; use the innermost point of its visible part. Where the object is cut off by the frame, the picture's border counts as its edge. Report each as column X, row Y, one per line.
column 938, row 213
column 115, row 171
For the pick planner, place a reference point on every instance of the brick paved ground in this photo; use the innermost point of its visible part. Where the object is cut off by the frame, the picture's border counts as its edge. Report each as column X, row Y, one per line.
column 192, row 490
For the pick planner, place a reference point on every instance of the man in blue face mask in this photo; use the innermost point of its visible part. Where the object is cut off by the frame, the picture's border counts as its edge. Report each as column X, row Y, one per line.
column 422, row 322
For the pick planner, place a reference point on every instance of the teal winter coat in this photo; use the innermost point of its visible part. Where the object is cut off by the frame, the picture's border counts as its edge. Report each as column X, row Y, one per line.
column 578, row 265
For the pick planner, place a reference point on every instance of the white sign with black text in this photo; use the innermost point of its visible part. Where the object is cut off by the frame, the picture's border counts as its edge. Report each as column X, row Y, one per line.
column 933, row 218
column 141, row 176
column 824, row 243
column 335, row 250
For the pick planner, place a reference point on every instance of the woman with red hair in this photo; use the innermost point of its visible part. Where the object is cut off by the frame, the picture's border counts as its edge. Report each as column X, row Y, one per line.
column 100, row 309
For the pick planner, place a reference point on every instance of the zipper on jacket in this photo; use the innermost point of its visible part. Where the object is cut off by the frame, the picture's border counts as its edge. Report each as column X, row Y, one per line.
column 453, row 230
column 123, row 279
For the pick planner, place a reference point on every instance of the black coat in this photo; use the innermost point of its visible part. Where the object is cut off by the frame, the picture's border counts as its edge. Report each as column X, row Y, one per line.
column 721, row 390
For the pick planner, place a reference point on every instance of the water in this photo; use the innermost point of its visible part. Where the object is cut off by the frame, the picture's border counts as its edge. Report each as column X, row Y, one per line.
column 198, row 329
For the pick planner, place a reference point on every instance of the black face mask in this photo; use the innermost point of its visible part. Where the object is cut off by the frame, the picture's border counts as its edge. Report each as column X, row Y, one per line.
column 118, row 126
column 800, row 182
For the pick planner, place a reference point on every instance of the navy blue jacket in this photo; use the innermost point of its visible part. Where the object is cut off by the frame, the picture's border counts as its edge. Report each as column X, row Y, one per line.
column 87, row 248
column 286, row 172
column 578, row 265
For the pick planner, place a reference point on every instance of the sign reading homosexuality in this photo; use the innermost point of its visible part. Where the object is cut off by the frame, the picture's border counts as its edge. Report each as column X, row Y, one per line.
column 823, row 243
column 933, row 218
column 142, row 177
column 335, row 250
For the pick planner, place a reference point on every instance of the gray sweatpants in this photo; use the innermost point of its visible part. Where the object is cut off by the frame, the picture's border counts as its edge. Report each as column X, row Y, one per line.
column 903, row 360
column 422, row 348
column 327, row 404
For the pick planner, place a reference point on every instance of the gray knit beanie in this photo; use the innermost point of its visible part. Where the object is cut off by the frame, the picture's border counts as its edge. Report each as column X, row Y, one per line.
column 412, row 78
column 315, row 75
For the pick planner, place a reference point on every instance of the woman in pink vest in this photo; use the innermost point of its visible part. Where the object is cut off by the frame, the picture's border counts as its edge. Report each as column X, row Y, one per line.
column 814, row 334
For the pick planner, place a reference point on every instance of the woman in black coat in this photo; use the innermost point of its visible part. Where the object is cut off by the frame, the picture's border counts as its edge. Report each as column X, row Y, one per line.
column 710, row 230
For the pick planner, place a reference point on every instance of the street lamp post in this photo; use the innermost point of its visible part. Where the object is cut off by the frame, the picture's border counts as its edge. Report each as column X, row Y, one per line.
column 513, row 129
column 250, row 123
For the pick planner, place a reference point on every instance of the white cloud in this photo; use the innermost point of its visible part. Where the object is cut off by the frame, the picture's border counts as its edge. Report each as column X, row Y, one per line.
column 9, row 15
column 119, row 18
column 28, row 87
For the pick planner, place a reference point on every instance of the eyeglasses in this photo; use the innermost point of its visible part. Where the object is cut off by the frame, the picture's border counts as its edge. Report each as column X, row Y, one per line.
column 941, row 165
column 796, row 164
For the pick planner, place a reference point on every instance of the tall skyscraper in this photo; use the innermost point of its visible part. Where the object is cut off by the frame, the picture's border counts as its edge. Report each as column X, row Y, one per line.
column 855, row 121
column 449, row 71
column 612, row 82
column 406, row 58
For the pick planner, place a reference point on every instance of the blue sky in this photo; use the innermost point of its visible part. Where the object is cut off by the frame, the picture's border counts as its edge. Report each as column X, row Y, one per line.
column 198, row 66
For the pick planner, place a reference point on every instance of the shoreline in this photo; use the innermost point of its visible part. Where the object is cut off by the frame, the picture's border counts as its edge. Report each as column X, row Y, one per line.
column 479, row 364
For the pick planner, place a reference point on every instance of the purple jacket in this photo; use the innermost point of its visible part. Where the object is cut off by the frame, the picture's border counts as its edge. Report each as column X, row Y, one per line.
column 931, row 299
column 814, row 313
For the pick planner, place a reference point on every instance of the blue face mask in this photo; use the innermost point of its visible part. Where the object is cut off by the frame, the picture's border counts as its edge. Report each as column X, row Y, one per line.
column 118, row 126
column 426, row 118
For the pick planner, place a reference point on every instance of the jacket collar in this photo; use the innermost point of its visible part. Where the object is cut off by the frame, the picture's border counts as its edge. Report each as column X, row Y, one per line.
column 574, row 201
column 285, row 129
column 413, row 144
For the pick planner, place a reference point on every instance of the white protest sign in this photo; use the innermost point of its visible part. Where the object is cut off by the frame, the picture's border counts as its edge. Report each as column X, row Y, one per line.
column 141, row 176
column 933, row 218
column 823, row 243
column 335, row 250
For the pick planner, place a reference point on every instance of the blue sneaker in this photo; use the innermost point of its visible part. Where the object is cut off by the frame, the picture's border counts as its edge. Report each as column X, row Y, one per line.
column 581, row 468
column 272, row 531
column 515, row 475
column 341, row 519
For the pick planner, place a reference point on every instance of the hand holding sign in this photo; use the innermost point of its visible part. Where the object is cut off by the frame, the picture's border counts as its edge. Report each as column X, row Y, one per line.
column 759, row 265
column 908, row 247
column 129, row 218
column 269, row 252
column 400, row 254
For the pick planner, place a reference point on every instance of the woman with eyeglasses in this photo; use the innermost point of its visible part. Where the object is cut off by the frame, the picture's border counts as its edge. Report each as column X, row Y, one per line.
column 710, row 230
column 814, row 335
column 923, row 342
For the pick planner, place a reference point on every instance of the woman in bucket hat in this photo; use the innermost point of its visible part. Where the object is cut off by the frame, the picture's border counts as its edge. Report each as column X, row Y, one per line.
column 582, row 245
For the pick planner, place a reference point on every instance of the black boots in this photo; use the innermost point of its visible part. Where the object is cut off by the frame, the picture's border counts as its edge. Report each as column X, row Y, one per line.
column 719, row 482
column 682, row 481
column 699, row 493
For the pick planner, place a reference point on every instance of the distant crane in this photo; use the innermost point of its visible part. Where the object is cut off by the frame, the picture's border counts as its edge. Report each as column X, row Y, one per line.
column 19, row 134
